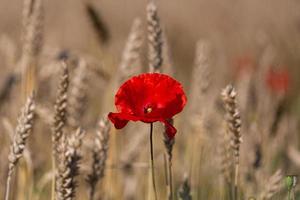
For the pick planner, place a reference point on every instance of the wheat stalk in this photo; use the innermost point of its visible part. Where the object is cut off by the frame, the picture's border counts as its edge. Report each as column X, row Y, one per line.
column 167, row 56
column 234, row 128
column 32, row 42
column 201, row 77
column 77, row 94
column 22, row 132
column 273, row 185
column 131, row 53
column 60, row 117
column 99, row 156
column 98, row 23
column 68, row 165
column 154, row 39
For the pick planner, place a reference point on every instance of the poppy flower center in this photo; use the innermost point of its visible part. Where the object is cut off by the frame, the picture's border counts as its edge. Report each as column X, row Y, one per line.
column 147, row 110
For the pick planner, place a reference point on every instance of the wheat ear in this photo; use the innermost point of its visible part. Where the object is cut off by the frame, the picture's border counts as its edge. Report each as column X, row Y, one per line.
column 60, row 114
column 234, row 128
column 33, row 19
column 77, row 94
column 272, row 186
column 68, row 165
column 22, row 132
column 131, row 53
column 99, row 156
column 154, row 39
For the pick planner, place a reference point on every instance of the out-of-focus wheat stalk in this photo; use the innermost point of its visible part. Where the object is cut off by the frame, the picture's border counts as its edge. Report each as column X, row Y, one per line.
column 33, row 19
column 68, row 165
column 155, row 41
column 169, row 143
column 98, row 23
column 167, row 56
column 131, row 53
column 99, row 156
column 273, row 185
column 201, row 76
column 77, row 94
column 234, row 128
column 22, row 132
column 184, row 192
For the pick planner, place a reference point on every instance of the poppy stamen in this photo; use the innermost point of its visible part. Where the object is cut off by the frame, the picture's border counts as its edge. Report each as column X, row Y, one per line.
column 148, row 110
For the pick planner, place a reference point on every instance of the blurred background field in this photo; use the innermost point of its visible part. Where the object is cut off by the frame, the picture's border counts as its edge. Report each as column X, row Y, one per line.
column 253, row 45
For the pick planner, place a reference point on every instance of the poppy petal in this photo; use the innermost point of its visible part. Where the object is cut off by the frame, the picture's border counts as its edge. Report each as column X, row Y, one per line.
column 170, row 129
column 117, row 119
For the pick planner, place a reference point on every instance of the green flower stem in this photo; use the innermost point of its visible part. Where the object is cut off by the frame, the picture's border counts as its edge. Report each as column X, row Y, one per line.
column 152, row 161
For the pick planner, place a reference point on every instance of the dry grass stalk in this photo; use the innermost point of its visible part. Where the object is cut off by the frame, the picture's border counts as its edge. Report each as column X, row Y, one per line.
column 131, row 53
column 77, row 94
column 169, row 143
column 234, row 128
column 154, row 39
column 60, row 109
column 32, row 42
column 22, row 132
column 272, row 186
column 184, row 192
column 99, row 156
column 68, row 165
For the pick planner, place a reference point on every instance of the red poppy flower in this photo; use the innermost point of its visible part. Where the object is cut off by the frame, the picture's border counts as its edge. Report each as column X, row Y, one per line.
column 148, row 98
column 278, row 81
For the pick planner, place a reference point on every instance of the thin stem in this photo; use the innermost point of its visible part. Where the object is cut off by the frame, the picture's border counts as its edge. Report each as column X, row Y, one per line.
column 293, row 195
column 92, row 192
column 7, row 188
column 53, row 184
column 289, row 194
column 236, row 174
column 229, row 191
column 170, row 180
column 152, row 161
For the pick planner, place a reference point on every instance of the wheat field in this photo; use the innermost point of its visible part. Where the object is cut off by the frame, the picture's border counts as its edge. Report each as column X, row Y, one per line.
column 62, row 63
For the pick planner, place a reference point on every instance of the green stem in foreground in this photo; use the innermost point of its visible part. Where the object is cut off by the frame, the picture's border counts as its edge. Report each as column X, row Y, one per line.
column 152, row 161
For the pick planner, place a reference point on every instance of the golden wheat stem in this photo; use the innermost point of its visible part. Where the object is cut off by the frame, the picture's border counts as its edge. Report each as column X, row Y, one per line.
column 236, row 175
column 8, row 183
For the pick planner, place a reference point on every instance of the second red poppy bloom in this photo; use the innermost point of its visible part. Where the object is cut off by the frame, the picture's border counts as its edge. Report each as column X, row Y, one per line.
column 149, row 98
